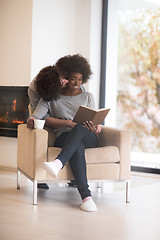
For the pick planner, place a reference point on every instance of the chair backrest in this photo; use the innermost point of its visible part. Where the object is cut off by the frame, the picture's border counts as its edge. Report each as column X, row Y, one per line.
column 51, row 136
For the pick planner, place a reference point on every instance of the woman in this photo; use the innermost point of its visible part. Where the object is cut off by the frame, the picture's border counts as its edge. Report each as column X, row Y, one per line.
column 71, row 137
column 47, row 85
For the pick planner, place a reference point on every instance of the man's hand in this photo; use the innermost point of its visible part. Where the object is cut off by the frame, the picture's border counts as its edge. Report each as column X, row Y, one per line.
column 30, row 123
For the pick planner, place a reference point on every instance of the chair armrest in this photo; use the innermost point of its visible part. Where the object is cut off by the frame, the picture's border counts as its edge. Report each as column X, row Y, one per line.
column 32, row 147
column 122, row 139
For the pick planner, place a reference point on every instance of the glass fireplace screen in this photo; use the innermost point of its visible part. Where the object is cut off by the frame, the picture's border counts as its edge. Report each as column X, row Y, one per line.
column 13, row 109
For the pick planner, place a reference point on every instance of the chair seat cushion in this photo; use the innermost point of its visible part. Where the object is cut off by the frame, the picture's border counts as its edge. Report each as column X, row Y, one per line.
column 109, row 154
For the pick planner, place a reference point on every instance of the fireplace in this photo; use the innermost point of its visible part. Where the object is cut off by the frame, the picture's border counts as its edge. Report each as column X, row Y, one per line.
column 13, row 109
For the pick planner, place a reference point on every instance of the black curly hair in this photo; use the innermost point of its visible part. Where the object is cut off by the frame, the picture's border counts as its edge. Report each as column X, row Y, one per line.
column 48, row 84
column 74, row 64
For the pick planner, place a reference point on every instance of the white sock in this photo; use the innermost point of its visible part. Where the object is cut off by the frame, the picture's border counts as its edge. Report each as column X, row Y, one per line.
column 88, row 205
column 58, row 163
column 53, row 167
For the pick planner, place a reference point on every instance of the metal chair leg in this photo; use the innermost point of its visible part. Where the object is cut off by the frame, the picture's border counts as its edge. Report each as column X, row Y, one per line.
column 18, row 179
column 127, row 191
column 99, row 187
column 35, row 192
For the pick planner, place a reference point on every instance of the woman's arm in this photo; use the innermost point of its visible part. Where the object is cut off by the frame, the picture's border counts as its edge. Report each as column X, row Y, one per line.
column 59, row 123
column 33, row 95
column 52, row 122
column 41, row 112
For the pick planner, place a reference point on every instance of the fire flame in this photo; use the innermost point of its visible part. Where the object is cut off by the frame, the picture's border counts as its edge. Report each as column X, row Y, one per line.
column 14, row 105
column 14, row 121
column 5, row 120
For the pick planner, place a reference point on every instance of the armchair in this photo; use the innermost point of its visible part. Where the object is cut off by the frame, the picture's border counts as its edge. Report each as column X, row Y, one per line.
column 111, row 161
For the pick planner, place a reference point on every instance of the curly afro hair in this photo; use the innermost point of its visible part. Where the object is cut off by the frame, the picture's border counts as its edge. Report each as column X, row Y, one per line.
column 47, row 83
column 74, row 64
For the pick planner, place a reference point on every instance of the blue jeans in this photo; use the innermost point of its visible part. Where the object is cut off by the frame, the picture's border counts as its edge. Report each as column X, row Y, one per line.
column 73, row 146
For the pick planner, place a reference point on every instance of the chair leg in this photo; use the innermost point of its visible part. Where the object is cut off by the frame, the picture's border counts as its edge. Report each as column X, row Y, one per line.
column 35, row 192
column 127, row 191
column 18, row 179
column 99, row 187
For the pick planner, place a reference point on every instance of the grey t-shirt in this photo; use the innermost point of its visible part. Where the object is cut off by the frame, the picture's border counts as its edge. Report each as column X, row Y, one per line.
column 64, row 108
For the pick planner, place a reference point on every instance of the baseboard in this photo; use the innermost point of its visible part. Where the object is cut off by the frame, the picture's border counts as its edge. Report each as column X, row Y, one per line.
column 145, row 169
column 8, row 169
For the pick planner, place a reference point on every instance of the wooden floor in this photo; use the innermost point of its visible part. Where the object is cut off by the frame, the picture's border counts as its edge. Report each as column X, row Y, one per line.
column 57, row 215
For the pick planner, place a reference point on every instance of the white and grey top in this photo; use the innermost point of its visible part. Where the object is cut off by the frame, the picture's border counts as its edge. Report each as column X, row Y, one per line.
column 64, row 108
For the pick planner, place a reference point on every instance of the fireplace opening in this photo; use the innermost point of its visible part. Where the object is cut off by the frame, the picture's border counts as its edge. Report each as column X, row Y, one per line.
column 13, row 109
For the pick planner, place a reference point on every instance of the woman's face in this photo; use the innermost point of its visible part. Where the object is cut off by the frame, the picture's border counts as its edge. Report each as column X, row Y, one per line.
column 75, row 81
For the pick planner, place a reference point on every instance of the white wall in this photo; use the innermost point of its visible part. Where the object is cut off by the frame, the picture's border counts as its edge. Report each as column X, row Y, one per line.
column 63, row 27
column 112, row 61
column 15, row 59
column 95, row 48
column 15, row 42
column 34, row 34
column 53, row 32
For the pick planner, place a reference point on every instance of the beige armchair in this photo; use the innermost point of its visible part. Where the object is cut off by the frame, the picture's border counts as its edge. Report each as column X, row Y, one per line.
column 111, row 161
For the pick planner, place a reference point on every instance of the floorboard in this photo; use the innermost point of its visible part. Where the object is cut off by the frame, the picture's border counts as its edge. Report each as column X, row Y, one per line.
column 58, row 216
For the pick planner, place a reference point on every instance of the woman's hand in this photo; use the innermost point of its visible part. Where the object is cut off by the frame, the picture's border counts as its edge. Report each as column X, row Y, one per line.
column 63, row 81
column 71, row 123
column 96, row 129
column 30, row 123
